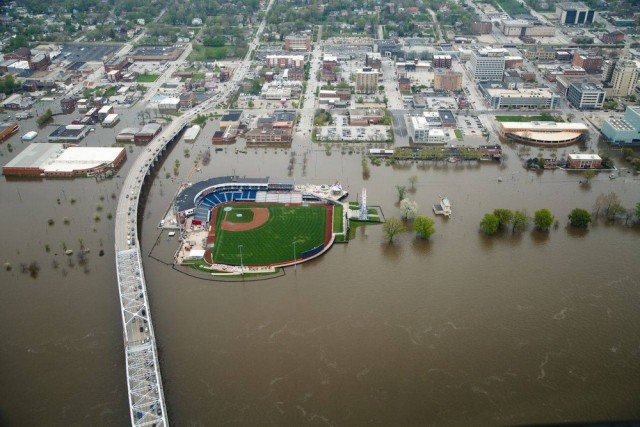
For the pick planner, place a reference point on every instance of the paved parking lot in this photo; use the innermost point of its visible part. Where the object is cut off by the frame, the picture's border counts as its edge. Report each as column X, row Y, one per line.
column 88, row 52
column 470, row 125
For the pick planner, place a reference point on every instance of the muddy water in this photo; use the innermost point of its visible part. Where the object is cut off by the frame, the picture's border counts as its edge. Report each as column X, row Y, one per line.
column 463, row 329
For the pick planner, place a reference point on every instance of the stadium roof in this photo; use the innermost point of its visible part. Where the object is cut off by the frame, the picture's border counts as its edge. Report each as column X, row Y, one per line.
column 186, row 199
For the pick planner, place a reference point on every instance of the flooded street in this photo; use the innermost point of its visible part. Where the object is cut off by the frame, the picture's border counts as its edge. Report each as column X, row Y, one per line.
column 464, row 329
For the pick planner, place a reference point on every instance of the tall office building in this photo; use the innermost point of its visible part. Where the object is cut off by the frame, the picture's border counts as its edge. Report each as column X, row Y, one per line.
column 367, row 80
column 585, row 95
column 623, row 79
column 574, row 13
column 488, row 64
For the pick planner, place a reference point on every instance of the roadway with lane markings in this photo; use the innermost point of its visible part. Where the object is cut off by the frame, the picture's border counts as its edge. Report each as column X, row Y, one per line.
column 144, row 382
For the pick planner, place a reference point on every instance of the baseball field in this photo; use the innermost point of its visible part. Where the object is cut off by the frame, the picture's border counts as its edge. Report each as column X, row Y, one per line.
column 264, row 233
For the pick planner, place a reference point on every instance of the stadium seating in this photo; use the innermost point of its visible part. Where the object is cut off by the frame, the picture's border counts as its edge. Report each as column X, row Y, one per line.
column 208, row 202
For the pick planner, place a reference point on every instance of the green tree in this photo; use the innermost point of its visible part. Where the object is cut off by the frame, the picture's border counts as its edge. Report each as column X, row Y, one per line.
column 489, row 224
column 579, row 218
column 424, row 226
column 391, row 227
column 543, row 219
column 402, row 191
column 44, row 118
column 505, row 217
column 588, row 175
column 520, row 220
column 638, row 209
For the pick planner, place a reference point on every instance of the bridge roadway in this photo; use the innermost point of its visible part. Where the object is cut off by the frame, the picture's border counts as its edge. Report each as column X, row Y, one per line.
column 144, row 383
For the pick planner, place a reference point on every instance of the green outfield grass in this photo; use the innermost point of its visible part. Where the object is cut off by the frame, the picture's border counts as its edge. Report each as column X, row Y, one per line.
column 337, row 219
column 273, row 241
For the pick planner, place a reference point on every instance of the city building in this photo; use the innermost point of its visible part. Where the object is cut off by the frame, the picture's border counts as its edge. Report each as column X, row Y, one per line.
column 525, row 28
column 404, row 84
column 155, row 53
column 623, row 130
column 373, row 60
column 624, row 78
column 297, row 42
column 104, row 111
column 55, row 160
column 187, row 100
column 68, row 105
column 513, row 61
column 540, row 53
column 111, row 120
column 8, row 129
column 148, row 132
column 481, row 28
column 232, row 118
column 544, row 133
column 585, row 95
column 422, row 131
column 499, row 97
column 117, row 63
column 273, row 136
column 169, row 105
column 447, row 119
column 441, row 61
column 613, row 37
column 591, row 62
column 365, row 117
column 68, row 133
column 366, row 80
column 447, row 80
column 488, row 64
column 285, row 61
column 574, row 13
column 584, row 161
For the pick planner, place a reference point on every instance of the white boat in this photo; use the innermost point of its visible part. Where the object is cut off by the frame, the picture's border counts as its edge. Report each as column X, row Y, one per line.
column 172, row 233
column 161, row 224
column 443, row 208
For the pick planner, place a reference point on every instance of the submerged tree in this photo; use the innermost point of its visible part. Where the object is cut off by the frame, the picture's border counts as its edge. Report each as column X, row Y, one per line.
column 391, row 227
column 489, row 224
column 408, row 209
column 424, row 226
column 402, row 191
column 505, row 217
column 520, row 221
column 543, row 219
column 579, row 218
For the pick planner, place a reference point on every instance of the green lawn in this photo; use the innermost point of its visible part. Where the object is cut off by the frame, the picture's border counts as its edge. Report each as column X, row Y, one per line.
column 337, row 219
column 273, row 241
column 538, row 118
column 239, row 215
column 147, row 78
column 459, row 134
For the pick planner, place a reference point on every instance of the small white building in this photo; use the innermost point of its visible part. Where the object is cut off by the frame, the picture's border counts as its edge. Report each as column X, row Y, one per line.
column 192, row 133
column 169, row 104
column 110, row 120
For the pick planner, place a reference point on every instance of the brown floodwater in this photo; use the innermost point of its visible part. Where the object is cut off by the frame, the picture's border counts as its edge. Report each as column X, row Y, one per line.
column 464, row 329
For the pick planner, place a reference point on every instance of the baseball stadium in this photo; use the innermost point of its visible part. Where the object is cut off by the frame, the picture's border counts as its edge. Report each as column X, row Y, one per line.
column 234, row 225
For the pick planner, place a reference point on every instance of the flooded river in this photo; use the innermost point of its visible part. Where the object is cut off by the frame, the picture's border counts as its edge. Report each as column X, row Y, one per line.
column 464, row 329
